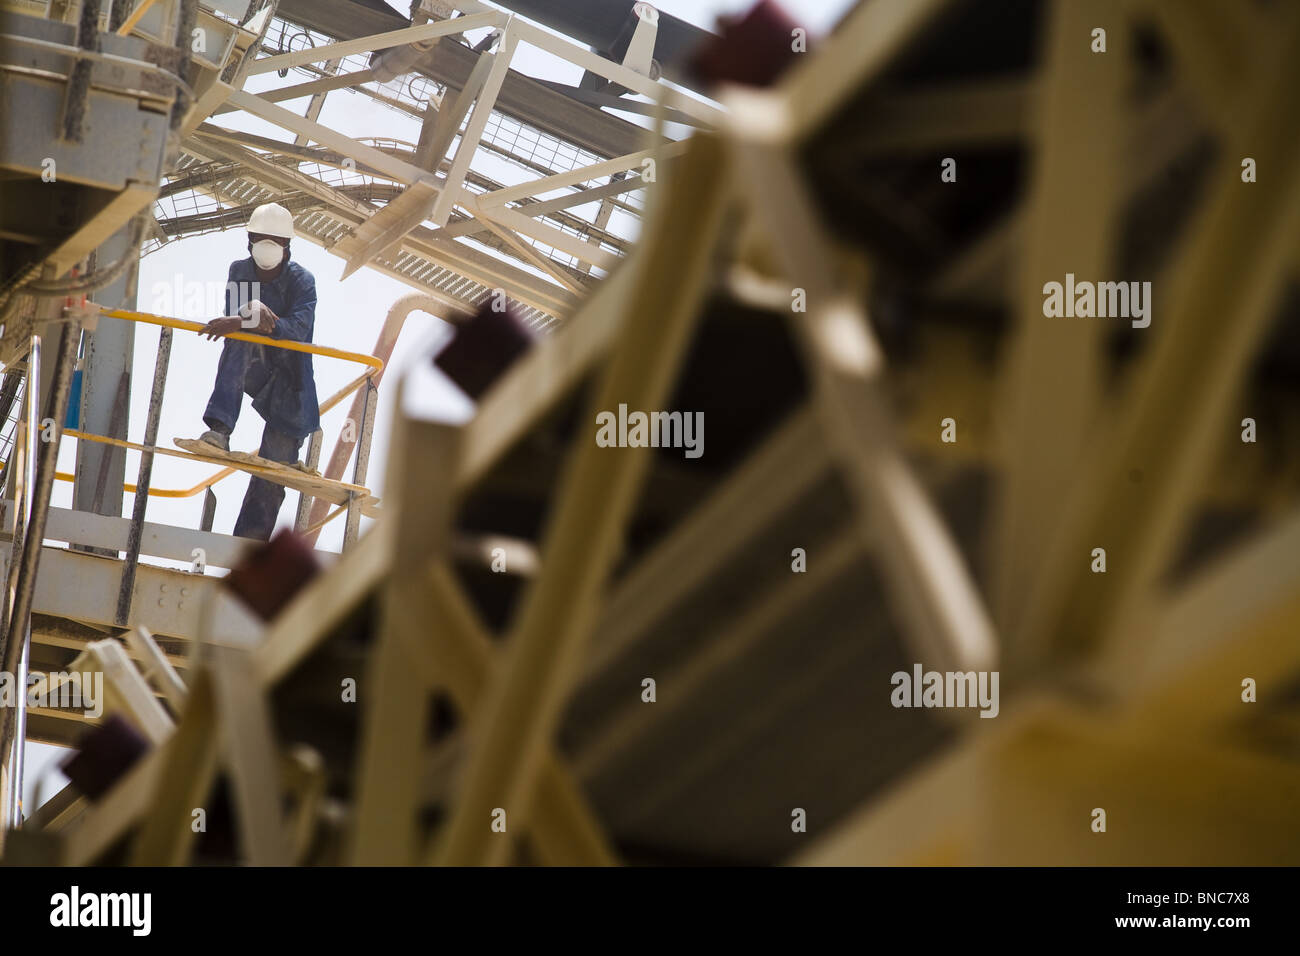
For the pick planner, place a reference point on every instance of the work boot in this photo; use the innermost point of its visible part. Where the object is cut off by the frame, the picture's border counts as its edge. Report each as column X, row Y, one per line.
column 215, row 438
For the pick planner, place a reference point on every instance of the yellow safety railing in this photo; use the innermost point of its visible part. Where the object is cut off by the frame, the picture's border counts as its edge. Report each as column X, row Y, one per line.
column 173, row 453
column 375, row 365
column 309, row 347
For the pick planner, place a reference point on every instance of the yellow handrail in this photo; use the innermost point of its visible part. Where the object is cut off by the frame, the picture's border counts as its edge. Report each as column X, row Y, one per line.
column 173, row 453
column 136, row 15
column 324, row 521
column 165, row 492
column 374, row 363
column 310, row 348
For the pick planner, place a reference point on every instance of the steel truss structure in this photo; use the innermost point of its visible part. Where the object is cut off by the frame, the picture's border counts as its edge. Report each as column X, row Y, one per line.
column 411, row 210
column 1124, row 688
column 397, row 207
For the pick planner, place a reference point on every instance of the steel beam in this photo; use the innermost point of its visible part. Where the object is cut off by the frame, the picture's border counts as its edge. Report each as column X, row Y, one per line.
column 927, row 580
column 387, row 227
column 487, row 270
column 1053, row 367
column 594, row 63
column 400, row 171
column 484, row 101
column 83, row 587
column 575, row 177
column 859, row 49
column 451, row 114
column 1232, row 621
column 317, row 103
column 516, row 724
column 1223, row 292
column 450, row 64
column 156, row 540
column 1021, row 794
column 549, row 235
column 963, row 115
column 106, row 392
column 380, row 41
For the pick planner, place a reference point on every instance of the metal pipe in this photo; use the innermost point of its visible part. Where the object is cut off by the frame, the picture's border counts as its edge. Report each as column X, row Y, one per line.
column 14, row 753
column 127, row 589
column 18, row 759
column 42, row 476
column 383, row 351
column 33, row 425
column 21, row 452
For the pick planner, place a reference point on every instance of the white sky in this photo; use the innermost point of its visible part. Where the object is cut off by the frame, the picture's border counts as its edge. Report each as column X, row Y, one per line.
column 348, row 316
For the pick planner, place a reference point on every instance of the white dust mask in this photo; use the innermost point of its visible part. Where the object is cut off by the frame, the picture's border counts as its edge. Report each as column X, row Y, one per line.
column 267, row 253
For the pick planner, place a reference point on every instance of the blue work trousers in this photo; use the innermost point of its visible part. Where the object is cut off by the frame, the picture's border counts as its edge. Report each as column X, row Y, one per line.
column 242, row 369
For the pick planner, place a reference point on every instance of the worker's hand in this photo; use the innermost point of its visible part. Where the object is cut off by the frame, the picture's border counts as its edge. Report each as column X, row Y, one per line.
column 258, row 317
column 266, row 319
column 222, row 326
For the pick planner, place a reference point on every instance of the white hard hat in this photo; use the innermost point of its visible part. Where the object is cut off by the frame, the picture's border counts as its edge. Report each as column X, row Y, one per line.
column 271, row 219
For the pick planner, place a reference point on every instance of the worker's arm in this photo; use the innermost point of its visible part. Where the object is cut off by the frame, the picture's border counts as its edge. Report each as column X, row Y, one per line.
column 222, row 326
column 260, row 323
column 231, row 321
column 298, row 322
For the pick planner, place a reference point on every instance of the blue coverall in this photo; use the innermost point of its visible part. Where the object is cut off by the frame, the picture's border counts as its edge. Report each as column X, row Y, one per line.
column 280, row 382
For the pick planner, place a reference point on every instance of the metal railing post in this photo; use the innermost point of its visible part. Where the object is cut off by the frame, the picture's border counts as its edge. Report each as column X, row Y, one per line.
column 209, row 510
column 41, row 466
column 12, row 752
column 304, row 499
column 363, row 462
column 127, row 589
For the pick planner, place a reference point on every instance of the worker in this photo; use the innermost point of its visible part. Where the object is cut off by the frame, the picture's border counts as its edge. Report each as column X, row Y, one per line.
column 266, row 294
